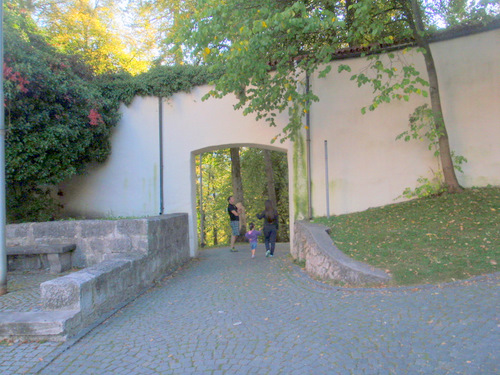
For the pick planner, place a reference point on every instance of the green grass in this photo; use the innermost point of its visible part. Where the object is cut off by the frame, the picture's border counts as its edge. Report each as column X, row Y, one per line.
column 430, row 240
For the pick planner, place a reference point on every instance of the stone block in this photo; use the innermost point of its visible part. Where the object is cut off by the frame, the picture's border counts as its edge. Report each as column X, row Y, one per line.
column 53, row 325
column 59, row 262
column 62, row 293
column 132, row 227
column 97, row 228
column 59, row 231
column 18, row 234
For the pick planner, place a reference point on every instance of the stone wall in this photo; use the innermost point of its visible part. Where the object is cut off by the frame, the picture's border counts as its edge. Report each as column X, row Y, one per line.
column 96, row 240
column 324, row 260
column 145, row 250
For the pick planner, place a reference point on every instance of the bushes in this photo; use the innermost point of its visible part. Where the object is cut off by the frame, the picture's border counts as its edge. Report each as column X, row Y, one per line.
column 59, row 115
column 57, row 121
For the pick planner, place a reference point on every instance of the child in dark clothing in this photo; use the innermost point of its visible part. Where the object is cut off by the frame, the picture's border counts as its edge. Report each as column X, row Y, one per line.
column 252, row 235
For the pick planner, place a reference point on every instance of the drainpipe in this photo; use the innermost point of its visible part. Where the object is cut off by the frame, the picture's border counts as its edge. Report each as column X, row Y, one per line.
column 327, row 182
column 3, row 250
column 160, row 123
column 308, row 151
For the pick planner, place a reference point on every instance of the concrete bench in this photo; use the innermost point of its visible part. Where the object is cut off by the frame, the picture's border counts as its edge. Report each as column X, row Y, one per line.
column 57, row 257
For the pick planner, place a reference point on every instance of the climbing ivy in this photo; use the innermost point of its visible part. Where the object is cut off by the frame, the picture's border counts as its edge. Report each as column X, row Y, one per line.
column 160, row 81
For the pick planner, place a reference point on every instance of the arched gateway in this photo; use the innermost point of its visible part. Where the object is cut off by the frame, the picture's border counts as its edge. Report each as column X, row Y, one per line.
column 352, row 159
column 152, row 165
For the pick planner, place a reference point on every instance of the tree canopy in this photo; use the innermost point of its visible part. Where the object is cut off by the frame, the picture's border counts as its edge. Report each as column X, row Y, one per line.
column 268, row 47
column 101, row 32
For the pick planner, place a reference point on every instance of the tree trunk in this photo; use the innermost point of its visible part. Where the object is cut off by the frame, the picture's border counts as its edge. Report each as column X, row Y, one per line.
column 238, row 188
column 271, row 188
column 202, row 211
column 450, row 178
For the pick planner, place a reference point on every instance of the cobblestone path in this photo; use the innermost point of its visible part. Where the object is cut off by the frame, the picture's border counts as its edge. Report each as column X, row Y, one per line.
column 225, row 313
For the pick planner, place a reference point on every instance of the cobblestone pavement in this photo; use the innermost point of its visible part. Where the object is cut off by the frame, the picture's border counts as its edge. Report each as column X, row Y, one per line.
column 24, row 290
column 225, row 313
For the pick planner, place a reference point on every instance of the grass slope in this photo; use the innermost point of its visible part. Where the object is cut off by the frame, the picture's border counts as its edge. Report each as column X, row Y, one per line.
column 429, row 240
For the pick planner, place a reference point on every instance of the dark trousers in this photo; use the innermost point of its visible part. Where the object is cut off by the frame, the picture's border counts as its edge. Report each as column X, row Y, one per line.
column 270, row 238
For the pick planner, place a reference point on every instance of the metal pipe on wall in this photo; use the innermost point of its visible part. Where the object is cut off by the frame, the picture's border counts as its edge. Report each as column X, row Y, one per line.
column 327, row 181
column 308, row 151
column 160, row 125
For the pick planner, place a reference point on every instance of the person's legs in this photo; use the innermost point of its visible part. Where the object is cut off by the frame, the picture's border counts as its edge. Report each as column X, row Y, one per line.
column 235, row 229
column 266, row 242
column 272, row 240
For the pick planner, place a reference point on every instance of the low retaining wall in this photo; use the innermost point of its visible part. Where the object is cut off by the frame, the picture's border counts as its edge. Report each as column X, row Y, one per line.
column 77, row 300
column 96, row 240
column 98, row 290
column 324, row 260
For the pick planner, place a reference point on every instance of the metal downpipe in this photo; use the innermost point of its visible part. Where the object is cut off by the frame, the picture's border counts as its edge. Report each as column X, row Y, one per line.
column 308, row 152
column 327, row 187
column 160, row 125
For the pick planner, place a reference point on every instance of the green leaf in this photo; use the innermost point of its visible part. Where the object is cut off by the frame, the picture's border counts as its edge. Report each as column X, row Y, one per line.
column 325, row 71
column 343, row 67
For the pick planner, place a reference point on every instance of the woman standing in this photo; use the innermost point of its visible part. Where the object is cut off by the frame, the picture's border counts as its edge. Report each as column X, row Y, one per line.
column 270, row 216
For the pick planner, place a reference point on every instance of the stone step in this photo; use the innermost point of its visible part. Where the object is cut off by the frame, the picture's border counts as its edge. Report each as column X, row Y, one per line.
column 40, row 325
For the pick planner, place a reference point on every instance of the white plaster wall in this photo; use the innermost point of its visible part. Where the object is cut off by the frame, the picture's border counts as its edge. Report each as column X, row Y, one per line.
column 192, row 126
column 469, row 78
column 127, row 184
column 367, row 167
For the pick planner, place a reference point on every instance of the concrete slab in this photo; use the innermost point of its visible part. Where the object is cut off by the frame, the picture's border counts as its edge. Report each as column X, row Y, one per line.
column 53, row 325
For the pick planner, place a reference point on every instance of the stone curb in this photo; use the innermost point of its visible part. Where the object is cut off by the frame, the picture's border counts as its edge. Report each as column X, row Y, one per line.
column 324, row 260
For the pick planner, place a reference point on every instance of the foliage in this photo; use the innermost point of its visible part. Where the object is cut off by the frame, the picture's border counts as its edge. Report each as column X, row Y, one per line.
column 161, row 81
column 422, row 127
column 255, row 187
column 216, row 182
column 450, row 13
column 56, row 119
column 263, row 47
column 269, row 47
column 160, row 20
column 91, row 29
column 217, row 188
column 426, row 187
column 391, row 80
column 438, row 239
